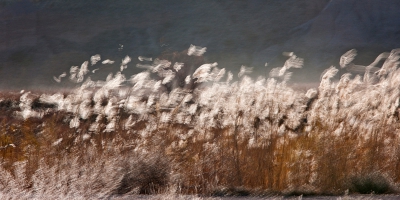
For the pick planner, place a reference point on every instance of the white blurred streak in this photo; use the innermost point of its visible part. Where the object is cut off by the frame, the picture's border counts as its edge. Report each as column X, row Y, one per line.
column 129, row 123
column 347, row 58
column 329, row 73
column 73, row 71
column 203, row 72
column 110, row 126
column 94, row 127
column 74, row 123
column 282, row 72
column 282, row 129
column 82, row 71
column 381, row 56
column 164, row 64
column 244, row 70
column 115, row 82
column 187, row 98
column 275, row 72
column 107, row 61
column 370, row 76
column 220, row 74
column 311, row 93
column 288, row 54
column 124, row 63
column 165, row 117
column 110, row 110
column 168, row 75
column 157, row 86
column 28, row 113
column 58, row 80
column 140, row 77
column 196, row 50
column 325, row 85
column 77, row 74
column 188, row 79
column 151, row 101
column 178, row 66
column 229, row 77
column 94, row 59
column 391, row 63
column 126, row 60
column 142, row 66
column 57, row 99
column 57, row 142
column 85, row 137
column 84, row 109
column 294, row 62
column 123, row 67
column 287, row 76
column 142, row 58
column 25, row 101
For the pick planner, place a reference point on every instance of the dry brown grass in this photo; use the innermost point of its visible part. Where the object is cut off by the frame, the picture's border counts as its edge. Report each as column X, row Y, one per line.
column 315, row 162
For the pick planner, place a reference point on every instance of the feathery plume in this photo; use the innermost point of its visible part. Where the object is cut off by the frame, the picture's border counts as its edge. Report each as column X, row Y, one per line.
column 94, row 59
column 203, row 72
column 178, row 66
column 347, row 58
column 188, row 79
column 196, row 50
column 229, row 77
column 142, row 58
column 58, row 80
column 244, row 70
column 107, row 62
column 77, row 74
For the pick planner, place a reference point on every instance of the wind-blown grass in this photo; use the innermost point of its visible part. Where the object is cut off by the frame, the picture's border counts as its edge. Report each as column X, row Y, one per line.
column 197, row 131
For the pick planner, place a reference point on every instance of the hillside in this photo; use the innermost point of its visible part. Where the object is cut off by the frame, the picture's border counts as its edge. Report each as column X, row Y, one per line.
column 40, row 39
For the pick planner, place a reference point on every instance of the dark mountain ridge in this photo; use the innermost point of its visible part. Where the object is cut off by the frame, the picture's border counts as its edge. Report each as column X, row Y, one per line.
column 43, row 38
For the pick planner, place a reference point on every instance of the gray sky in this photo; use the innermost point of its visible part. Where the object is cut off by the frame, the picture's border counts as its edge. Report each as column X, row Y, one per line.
column 41, row 39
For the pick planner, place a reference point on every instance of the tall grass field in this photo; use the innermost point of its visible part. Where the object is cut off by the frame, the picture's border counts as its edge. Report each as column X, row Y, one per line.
column 187, row 126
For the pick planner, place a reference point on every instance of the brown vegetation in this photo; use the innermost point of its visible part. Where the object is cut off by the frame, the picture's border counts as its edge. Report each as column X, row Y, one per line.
column 260, row 137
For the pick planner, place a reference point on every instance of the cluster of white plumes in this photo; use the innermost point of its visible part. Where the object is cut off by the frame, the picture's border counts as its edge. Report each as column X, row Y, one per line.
column 354, row 101
column 367, row 102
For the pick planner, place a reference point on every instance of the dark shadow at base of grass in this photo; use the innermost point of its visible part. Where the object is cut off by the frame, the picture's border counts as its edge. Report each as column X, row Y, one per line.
column 303, row 193
column 227, row 192
column 373, row 183
column 244, row 192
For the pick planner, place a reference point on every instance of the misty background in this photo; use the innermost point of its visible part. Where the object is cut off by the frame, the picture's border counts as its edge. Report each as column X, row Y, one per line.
column 40, row 39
